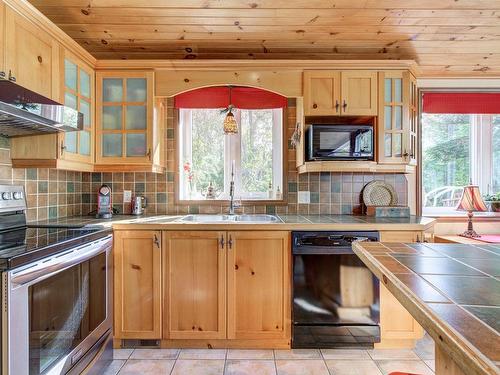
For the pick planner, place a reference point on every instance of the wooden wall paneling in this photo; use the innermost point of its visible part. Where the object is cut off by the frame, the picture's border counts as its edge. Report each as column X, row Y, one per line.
column 195, row 285
column 137, row 284
column 171, row 82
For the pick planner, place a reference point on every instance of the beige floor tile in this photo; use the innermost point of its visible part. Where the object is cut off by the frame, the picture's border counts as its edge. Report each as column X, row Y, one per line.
column 301, row 367
column 425, row 348
column 352, row 367
column 431, row 364
column 250, row 367
column 345, row 354
column 415, row 367
column 198, row 367
column 203, row 354
column 113, row 367
column 154, row 354
column 393, row 354
column 250, row 354
column 297, row 354
column 122, row 353
column 147, row 367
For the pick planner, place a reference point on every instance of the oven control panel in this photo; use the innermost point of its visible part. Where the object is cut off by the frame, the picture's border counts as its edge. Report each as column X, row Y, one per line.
column 12, row 198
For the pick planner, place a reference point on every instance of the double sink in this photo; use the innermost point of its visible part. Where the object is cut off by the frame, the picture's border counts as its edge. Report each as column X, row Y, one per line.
column 230, row 219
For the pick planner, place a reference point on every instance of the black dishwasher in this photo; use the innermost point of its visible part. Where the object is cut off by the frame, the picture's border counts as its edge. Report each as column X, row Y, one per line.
column 335, row 296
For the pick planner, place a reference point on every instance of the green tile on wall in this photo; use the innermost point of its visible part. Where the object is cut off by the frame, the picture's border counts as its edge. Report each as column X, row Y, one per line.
column 70, row 187
column 31, row 173
column 314, row 197
column 86, row 198
column 161, row 197
column 292, row 187
column 43, row 186
column 270, row 210
column 194, row 209
column 96, row 177
column 52, row 212
column 170, row 176
column 170, row 133
column 139, row 187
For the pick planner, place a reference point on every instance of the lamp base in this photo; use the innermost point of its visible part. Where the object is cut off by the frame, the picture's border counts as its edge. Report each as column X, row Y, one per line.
column 470, row 232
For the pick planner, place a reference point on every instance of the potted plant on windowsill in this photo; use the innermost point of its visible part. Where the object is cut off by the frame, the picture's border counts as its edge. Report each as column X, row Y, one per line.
column 493, row 201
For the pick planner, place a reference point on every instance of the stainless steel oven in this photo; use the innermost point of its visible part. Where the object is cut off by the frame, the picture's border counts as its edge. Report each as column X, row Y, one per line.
column 57, row 309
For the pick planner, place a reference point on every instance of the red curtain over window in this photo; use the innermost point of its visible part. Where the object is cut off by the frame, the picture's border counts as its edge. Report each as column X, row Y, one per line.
column 461, row 102
column 241, row 97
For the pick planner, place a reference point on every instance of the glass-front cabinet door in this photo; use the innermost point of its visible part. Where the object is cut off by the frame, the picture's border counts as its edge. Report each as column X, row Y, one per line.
column 78, row 92
column 125, row 117
column 397, row 121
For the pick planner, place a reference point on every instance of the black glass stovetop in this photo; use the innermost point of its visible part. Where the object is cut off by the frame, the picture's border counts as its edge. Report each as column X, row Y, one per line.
column 28, row 244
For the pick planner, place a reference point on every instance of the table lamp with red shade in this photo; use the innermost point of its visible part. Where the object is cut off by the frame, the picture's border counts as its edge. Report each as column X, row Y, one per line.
column 471, row 201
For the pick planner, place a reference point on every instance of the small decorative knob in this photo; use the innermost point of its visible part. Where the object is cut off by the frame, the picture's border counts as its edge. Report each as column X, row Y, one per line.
column 315, row 106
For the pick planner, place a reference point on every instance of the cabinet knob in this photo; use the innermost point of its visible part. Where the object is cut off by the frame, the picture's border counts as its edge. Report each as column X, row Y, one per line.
column 148, row 154
column 222, row 242
column 230, row 242
column 344, row 105
column 337, row 105
column 315, row 106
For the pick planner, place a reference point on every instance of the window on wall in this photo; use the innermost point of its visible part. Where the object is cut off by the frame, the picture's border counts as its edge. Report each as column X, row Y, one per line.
column 456, row 149
column 207, row 156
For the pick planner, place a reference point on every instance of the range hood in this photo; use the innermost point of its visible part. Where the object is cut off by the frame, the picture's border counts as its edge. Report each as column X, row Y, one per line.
column 24, row 112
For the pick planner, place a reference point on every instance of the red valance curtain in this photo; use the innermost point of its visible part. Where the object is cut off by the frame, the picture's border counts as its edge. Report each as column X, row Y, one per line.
column 241, row 97
column 461, row 102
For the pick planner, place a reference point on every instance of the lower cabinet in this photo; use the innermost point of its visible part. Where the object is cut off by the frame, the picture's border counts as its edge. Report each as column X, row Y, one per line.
column 137, row 284
column 194, row 279
column 258, row 285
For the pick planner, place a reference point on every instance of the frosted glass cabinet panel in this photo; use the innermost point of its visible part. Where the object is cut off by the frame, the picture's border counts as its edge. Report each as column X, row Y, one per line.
column 398, row 118
column 125, row 117
column 78, row 94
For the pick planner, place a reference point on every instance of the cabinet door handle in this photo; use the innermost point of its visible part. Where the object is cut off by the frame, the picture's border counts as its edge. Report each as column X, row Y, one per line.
column 63, row 148
column 149, row 154
column 156, row 241
column 230, row 242
column 344, row 105
column 222, row 242
column 11, row 77
column 337, row 105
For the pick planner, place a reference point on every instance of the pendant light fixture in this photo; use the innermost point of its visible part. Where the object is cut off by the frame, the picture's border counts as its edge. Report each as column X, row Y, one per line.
column 230, row 124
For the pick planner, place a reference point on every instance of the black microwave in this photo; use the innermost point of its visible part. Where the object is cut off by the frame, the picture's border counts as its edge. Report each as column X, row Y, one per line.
column 339, row 142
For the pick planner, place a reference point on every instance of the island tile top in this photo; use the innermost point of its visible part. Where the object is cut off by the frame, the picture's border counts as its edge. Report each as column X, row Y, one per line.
column 457, row 284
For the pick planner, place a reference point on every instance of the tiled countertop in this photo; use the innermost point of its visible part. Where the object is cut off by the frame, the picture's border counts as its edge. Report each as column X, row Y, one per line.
column 452, row 290
column 287, row 222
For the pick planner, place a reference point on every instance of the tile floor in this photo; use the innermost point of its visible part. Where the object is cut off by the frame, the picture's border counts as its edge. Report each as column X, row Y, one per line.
column 273, row 362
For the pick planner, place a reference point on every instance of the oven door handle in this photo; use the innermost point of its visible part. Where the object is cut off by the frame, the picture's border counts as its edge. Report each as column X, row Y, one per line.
column 43, row 271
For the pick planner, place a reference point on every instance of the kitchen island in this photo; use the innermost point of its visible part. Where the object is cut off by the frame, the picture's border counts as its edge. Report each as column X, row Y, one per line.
column 453, row 291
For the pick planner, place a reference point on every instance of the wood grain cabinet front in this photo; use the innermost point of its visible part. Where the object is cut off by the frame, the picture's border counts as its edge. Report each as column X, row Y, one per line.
column 31, row 55
column 137, row 284
column 194, row 274
column 338, row 93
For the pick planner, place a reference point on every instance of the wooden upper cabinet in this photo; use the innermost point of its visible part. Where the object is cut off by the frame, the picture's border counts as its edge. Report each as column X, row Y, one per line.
column 31, row 56
column 137, row 284
column 195, row 285
column 321, row 92
column 126, row 137
column 359, row 93
column 334, row 93
column 398, row 118
column 77, row 92
column 258, row 285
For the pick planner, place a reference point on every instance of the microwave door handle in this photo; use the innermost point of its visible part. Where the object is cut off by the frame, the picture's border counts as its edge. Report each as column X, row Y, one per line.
column 29, row 276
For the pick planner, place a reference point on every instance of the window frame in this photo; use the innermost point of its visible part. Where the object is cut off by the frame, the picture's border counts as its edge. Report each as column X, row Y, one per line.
column 480, row 175
column 282, row 150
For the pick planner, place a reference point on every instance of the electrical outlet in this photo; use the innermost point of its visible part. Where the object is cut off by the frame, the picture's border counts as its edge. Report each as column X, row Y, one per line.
column 304, row 197
column 127, row 196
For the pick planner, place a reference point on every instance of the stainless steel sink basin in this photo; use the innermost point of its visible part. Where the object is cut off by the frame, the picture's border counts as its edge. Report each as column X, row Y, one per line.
column 230, row 219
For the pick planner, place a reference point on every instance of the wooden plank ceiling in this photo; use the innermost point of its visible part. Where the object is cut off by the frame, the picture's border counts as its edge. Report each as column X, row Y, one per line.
column 445, row 37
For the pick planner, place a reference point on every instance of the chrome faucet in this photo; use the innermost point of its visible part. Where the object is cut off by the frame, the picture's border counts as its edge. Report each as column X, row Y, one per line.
column 232, row 205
